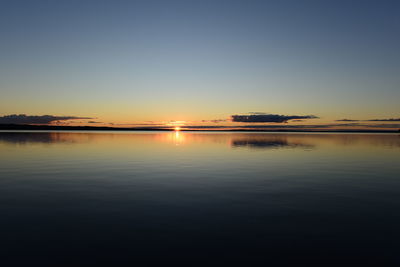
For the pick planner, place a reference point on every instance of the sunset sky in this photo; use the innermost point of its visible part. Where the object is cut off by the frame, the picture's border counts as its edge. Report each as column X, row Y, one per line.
column 200, row 62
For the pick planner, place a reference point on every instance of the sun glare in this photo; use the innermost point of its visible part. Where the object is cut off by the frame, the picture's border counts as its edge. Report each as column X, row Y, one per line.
column 177, row 128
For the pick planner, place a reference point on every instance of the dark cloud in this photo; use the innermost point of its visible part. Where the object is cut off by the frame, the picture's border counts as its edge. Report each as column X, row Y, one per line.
column 259, row 118
column 398, row 119
column 347, row 120
column 26, row 119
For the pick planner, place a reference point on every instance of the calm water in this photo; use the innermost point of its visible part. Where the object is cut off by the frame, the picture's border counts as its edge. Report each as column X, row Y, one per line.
column 80, row 199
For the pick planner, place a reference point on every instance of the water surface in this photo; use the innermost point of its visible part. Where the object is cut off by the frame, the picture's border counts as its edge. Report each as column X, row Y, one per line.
column 85, row 198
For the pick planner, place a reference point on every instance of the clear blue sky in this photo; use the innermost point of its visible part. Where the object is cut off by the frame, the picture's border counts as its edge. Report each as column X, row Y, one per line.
column 134, row 61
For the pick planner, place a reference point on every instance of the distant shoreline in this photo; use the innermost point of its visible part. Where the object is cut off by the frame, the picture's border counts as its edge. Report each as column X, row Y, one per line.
column 20, row 127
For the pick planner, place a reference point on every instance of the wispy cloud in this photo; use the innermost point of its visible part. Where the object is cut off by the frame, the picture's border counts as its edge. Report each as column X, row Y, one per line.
column 382, row 120
column 398, row 119
column 44, row 119
column 347, row 120
column 391, row 126
column 215, row 121
column 257, row 117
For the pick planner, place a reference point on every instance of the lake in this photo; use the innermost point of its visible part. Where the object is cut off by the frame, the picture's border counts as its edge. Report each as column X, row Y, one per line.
column 199, row 198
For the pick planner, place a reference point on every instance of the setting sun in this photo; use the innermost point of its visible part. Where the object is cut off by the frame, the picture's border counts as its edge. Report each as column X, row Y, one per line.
column 214, row 132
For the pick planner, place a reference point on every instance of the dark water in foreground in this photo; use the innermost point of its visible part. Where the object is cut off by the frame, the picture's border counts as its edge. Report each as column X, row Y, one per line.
column 83, row 199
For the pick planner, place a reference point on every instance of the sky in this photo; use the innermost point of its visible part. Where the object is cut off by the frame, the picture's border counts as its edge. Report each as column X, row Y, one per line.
column 201, row 62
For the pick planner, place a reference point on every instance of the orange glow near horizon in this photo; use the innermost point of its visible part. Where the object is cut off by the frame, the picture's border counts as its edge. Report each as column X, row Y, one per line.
column 227, row 124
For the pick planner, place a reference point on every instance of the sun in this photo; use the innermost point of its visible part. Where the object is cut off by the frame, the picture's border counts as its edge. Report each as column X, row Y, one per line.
column 175, row 125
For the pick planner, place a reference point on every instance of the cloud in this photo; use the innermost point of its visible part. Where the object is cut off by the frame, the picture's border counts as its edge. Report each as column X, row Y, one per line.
column 398, row 119
column 347, row 120
column 392, row 119
column 333, row 126
column 44, row 119
column 215, row 121
column 259, row 118
column 391, row 126
column 258, row 113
